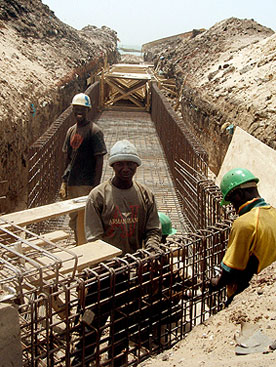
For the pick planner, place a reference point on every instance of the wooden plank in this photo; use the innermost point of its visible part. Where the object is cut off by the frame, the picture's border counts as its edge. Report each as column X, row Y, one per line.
column 34, row 215
column 89, row 254
column 133, row 68
column 55, row 236
column 80, row 228
column 239, row 155
column 148, row 97
column 129, row 76
column 51, row 236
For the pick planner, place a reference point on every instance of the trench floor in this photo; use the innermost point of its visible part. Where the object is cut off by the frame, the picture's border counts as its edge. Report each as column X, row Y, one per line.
column 138, row 128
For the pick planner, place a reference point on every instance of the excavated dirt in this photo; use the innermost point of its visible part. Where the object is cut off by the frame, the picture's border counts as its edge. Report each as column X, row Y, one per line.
column 44, row 62
column 226, row 76
column 212, row 344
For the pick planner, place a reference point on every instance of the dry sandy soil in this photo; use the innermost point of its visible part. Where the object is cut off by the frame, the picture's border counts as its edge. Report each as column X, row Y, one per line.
column 212, row 344
column 226, row 75
column 43, row 63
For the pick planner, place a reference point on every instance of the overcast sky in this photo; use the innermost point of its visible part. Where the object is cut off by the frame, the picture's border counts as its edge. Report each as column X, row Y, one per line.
column 142, row 21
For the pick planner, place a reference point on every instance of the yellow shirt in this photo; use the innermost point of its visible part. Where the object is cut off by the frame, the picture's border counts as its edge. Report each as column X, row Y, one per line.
column 253, row 233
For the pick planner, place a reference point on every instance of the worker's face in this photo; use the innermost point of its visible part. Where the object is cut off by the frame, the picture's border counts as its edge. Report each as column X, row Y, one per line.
column 236, row 198
column 124, row 171
column 80, row 113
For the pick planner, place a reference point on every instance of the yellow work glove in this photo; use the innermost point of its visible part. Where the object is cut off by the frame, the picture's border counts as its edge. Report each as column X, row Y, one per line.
column 63, row 191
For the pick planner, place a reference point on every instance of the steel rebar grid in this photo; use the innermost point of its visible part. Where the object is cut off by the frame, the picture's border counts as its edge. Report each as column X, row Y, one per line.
column 134, row 306
column 199, row 196
column 27, row 265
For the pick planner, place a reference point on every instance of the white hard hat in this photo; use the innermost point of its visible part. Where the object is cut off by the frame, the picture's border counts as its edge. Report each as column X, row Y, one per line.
column 124, row 150
column 81, row 99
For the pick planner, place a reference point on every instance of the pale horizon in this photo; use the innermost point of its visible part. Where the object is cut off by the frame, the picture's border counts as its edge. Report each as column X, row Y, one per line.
column 137, row 23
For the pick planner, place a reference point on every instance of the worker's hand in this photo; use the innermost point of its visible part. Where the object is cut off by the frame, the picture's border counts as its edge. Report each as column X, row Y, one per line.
column 213, row 284
column 63, row 191
column 154, row 247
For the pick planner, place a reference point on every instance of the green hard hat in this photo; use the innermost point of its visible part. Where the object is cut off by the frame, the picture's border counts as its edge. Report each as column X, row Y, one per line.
column 166, row 225
column 234, row 178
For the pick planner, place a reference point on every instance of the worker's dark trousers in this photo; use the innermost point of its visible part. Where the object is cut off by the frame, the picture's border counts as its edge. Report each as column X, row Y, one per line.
column 113, row 305
column 131, row 308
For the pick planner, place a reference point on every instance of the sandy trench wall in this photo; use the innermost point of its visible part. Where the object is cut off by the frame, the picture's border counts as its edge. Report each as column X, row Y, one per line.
column 18, row 136
column 206, row 120
column 43, row 63
column 225, row 78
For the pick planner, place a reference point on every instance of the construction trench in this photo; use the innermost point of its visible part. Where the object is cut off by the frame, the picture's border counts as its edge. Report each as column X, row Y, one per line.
column 146, row 301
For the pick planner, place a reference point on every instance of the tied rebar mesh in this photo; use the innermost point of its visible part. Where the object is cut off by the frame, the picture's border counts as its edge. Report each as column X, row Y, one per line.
column 188, row 163
column 122, row 310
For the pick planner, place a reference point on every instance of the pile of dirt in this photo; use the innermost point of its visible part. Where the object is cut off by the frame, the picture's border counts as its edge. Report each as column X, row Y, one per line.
column 131, row 59
column 44, row 62
column 226, row 76
column 212, row 344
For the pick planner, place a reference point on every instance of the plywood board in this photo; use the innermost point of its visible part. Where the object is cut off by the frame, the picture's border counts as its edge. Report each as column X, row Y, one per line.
column 129, row 76
column 41, row 213
column 245, row 151
column 89, row 254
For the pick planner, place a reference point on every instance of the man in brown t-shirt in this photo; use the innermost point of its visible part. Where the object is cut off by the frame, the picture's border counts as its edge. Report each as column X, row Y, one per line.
column 84, row 147
column 122, row 211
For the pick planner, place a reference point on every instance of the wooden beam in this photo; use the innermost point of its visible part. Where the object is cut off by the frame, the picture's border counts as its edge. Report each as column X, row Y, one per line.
column 129, row 76
column 34, row 215
column 130, row 91
column 125, row 108
column 41, row 213
column 51, row 236
column 88, row 254
column 121, row 90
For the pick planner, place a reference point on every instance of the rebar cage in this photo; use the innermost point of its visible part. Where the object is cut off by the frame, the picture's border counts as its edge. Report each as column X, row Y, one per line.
column 117, row 313
column 122, row 311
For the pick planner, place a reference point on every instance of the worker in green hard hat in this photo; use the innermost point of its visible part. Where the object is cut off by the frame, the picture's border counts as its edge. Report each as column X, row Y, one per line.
column 166, row 226
column 252, row 240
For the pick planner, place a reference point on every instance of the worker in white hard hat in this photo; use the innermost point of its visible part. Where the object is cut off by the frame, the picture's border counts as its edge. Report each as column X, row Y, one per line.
column 84, row 147
column 123, row 213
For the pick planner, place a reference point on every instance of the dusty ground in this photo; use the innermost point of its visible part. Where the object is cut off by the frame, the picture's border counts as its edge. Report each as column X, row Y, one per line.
column 43, row 63
column 212, row 344
column 226, row 75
